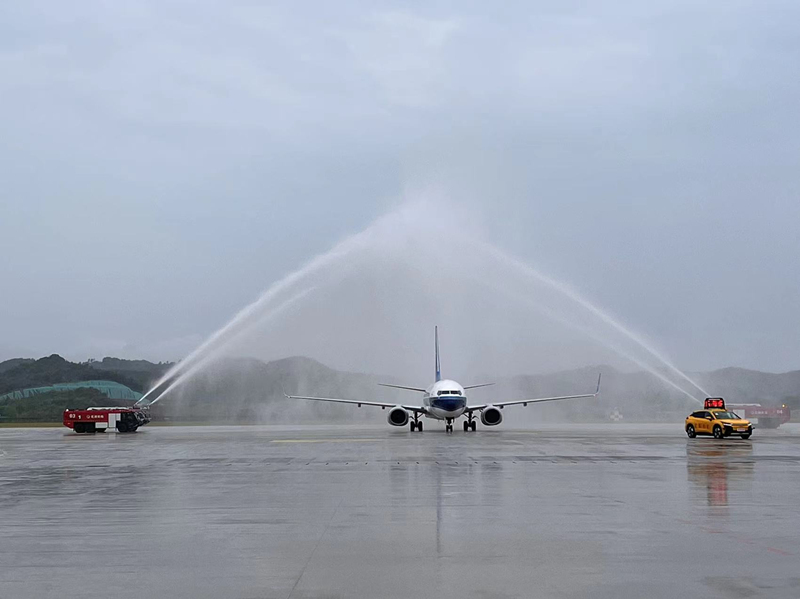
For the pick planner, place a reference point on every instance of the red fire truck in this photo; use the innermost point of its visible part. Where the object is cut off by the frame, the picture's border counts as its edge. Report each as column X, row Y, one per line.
column 98, row 420
column 768, row 417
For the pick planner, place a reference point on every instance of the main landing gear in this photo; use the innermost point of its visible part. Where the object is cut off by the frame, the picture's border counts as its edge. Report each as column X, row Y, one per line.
column 469, row 425
column 416, row 424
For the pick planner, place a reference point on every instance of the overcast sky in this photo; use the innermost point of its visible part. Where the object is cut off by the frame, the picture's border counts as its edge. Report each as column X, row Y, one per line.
column 161, row 163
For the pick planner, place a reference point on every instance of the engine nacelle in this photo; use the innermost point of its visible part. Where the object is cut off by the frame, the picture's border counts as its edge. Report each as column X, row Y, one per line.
column 491, row 416
column 397, row 416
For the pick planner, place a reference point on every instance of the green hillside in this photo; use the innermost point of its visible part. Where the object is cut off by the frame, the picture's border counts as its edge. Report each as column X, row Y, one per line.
column 39, row 390
column 50, row 406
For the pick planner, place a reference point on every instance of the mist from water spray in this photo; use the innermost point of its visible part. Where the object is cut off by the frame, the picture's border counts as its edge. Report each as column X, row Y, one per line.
column 206, row 350
column 589, row 333
column 375, row 238
column 594, row 310
column 202, row 363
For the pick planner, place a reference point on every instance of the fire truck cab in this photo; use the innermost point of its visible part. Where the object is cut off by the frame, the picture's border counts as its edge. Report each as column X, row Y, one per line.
column 98, row 420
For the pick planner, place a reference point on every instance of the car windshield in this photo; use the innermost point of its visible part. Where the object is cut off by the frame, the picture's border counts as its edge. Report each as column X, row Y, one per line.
column 726, row 415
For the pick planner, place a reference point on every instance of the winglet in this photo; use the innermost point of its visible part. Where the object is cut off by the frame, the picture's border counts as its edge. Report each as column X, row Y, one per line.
column 597, row 392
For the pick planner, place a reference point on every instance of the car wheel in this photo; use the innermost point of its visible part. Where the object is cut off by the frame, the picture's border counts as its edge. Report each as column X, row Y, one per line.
column 718, row 433
column 690, row 431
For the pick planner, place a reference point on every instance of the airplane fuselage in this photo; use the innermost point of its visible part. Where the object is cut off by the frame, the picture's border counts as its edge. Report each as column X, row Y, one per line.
column 444, row 399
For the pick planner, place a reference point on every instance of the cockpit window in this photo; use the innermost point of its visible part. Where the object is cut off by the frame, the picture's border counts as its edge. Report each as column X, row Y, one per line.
column 449, row 392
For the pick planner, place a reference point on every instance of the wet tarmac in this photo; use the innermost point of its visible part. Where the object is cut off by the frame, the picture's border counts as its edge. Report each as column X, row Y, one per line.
column 349, row 512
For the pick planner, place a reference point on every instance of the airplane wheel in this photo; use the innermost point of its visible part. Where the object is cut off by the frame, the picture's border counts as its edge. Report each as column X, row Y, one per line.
column 473, row 425
column 466, row 426
column 419, row 426
column 413, row 426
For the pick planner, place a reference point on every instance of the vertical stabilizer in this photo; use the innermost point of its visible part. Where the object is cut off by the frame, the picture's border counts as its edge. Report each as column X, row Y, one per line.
column 438, row 364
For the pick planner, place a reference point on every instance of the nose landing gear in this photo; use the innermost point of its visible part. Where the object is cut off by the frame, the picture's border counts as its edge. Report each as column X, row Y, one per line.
column 448, row 427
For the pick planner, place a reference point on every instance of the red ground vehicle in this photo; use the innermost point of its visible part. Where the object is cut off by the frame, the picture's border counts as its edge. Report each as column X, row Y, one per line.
column 768, row 417
column 97, row 420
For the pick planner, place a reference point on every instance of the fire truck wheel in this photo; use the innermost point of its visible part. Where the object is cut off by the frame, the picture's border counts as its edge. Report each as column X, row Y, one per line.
column 78, row 428
column 718, row 433
column 122, row 427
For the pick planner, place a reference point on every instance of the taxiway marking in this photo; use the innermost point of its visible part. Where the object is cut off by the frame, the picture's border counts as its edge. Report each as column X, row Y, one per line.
column 321, row 440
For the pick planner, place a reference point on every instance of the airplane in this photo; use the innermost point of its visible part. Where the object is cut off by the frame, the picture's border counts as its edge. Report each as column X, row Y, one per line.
column 445, row 400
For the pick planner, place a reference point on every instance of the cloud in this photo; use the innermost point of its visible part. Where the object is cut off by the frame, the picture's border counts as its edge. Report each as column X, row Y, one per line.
column 165, row 161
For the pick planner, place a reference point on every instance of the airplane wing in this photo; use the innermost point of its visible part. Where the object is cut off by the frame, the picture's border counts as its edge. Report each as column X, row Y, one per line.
column 466, row 387
column 525, row 402
column 359, row 403
column 401, row 387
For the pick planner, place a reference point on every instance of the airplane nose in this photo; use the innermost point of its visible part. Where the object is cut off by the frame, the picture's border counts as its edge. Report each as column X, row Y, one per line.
column 450, row 404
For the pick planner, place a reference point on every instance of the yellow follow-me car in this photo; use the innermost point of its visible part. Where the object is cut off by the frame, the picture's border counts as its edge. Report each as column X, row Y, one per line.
column 716, row 420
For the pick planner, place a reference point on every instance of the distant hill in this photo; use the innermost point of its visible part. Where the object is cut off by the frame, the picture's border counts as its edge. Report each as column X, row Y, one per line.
column 248, row 389
column 137, row 366
column 742, row 385
column 13, row 363
column 252, row 390
column 49, row 407
column 55, row 369
column 20, row 374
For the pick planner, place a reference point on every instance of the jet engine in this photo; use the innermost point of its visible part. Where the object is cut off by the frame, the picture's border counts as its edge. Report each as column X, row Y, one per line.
column 491, row 416
column 397, row 416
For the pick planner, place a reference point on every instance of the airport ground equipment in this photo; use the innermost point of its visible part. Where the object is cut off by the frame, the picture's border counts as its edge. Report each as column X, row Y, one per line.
column 715, row 419
column 99, row 420
column 768, row 416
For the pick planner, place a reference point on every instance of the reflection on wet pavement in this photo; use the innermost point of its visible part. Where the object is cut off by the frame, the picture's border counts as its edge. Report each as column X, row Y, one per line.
column 573, row 511
column 716, row 465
